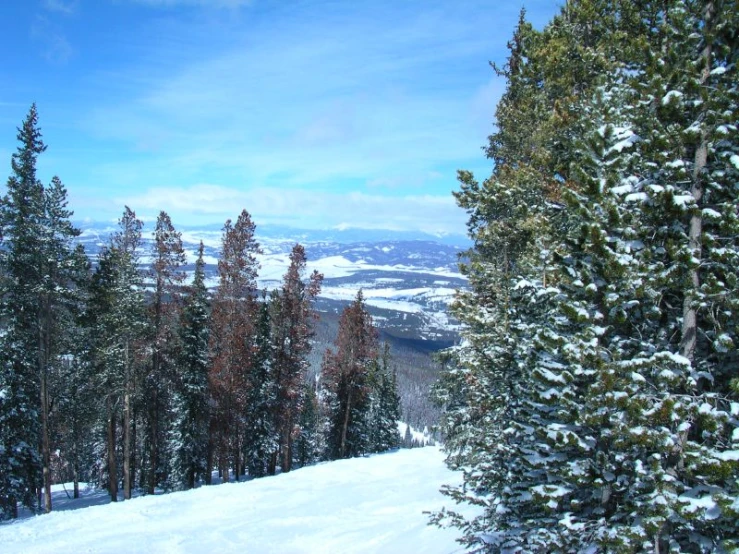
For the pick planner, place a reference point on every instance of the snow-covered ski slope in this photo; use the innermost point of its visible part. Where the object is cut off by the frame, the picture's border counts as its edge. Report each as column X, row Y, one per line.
column 372, row 504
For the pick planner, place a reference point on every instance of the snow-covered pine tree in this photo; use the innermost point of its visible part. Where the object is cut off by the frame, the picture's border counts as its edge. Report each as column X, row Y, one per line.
column 484, row 389
column 38, row 286
column 627, row 439
column 309, row 444
column 117, row 321
column 189, row 436
column 384, row 411
column 261, row 437
column 166, row 271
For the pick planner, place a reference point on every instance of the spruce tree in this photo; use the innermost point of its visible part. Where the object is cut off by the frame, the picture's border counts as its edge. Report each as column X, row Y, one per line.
column 189, row 437
column 345, row 374
column 39, row 271
column 384, row 411
column 167, row 273
column 597, row 378
column 117, row 320
column 261, row 436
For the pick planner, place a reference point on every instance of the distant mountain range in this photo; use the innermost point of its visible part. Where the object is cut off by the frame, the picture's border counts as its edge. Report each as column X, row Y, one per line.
column 408, row 279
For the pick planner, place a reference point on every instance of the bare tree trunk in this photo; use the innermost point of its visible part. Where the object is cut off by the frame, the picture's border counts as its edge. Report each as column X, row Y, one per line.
column 112, row 469
column 43, row 357
column 127, row 430
column 690, row 321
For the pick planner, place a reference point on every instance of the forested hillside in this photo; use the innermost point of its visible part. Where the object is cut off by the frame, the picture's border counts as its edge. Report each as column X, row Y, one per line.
column 594, row 401
column 121, row 373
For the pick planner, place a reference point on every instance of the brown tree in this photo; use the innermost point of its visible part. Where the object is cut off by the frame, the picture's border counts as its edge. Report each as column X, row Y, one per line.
column 292, row 328
column 232, row 330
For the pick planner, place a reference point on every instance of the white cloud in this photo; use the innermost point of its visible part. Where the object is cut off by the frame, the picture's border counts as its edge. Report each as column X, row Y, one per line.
column 302, row 208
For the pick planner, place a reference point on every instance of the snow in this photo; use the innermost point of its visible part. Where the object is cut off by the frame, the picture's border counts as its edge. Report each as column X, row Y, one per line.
column 372, row 504
column 636, row 197
column 670, row 95
column 422, row 437
column 728, row 455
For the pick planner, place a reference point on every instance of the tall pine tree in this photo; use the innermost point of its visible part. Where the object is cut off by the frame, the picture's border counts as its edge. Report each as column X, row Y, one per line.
column 39, row 270
column 191, row 411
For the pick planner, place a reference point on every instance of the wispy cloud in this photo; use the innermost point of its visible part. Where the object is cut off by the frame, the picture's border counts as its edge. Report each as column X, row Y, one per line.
column 337, row 104
column 308, row 101
column 61, row 6
column 55, row 47
column 303, row 208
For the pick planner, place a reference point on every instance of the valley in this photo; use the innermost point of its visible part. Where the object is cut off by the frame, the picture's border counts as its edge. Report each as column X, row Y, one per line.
column 407, row 279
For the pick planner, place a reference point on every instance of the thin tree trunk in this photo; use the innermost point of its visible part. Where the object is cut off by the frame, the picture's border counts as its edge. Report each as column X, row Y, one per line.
column 272, row 467
column 112, row 470
column 153, row 446
column 345, row 426
column 127, row 430
column 43, row 357
column 209, row 461
column 287, row 454
column 76, row 464
column 45, row 443
column 690, row 320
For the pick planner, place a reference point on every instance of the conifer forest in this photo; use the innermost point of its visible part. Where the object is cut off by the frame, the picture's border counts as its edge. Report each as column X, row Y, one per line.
column 137, row 379
column 591, row 403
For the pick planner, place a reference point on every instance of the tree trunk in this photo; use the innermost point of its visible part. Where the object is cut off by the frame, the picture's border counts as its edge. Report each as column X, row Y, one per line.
column 112, row 470
column 45, row 443
column 345, row 426
column 287, row 450
column 153, row 447
column 272, row 466
column 690, row 320
column 76, row 466
column 209, row 462
column 127, row 431
column 43, row 359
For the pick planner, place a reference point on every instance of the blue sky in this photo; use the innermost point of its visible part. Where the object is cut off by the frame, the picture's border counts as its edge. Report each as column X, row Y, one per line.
column 308, row 113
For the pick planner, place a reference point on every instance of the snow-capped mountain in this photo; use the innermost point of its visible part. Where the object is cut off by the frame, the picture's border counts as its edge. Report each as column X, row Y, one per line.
column 408, row 279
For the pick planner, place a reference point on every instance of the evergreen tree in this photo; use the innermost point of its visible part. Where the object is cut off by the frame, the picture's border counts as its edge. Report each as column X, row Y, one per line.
column 167, row 274
column 191, row 411
column 116, row 317
column 384, row 411
column 261, row 437
column 38, row 284
column 309, row 444
column 345, row 372
column 597, row 379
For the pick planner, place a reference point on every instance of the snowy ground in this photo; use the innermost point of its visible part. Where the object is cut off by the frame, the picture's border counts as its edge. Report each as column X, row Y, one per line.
column 373, row 504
